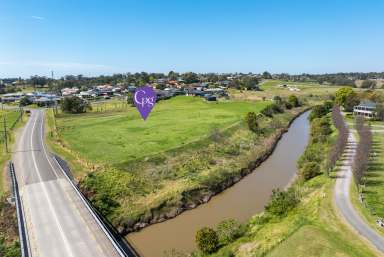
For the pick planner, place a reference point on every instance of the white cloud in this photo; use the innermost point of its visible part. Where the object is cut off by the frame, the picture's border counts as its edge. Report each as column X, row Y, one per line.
column 37, row 18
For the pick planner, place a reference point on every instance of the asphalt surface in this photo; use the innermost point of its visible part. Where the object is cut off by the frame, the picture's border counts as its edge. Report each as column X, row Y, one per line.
column 343, row 202
column 57, row 221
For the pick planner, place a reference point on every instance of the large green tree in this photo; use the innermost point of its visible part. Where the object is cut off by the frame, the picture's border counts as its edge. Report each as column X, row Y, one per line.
column 347, row 98
column 74, row 104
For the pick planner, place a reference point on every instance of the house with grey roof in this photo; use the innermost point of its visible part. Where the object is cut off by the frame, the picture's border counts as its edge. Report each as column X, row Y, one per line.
column 366, row 109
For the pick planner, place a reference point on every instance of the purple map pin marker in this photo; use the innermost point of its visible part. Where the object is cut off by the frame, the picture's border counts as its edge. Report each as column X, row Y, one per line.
column 145, row 100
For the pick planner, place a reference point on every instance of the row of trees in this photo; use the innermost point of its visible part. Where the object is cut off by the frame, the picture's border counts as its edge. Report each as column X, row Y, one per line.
column 337, row 149
column 363, row 150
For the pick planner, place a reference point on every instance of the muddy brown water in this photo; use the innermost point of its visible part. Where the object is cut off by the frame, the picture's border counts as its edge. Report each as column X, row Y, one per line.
column 241, row 201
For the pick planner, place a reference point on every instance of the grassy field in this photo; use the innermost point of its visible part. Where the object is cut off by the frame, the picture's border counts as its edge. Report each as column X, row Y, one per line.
column 10, row 118
column 135, row 170
column 125, row 136
column 271, row 88
column 9, row 242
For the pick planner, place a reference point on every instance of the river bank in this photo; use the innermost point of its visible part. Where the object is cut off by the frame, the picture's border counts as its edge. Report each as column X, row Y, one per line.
column 310, row 225
column 240, row 201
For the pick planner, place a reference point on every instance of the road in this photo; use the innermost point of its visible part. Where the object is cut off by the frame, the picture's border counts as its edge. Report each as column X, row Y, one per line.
column 58, row 223
column 343, row 200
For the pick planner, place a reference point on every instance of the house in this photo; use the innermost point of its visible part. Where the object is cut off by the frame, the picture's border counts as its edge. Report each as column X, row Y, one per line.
column 366, row 109
column 11, row 97
column 69, row 91
column 210, row 97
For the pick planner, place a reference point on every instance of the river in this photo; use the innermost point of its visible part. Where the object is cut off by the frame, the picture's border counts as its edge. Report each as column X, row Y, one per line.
column 241, row 201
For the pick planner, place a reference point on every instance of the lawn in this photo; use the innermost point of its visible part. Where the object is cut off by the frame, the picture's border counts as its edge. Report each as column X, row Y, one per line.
column 125, row 136
column 373, row 192
column 314, row 241
column 10, row 118
column 374, row 178
column 271, row 88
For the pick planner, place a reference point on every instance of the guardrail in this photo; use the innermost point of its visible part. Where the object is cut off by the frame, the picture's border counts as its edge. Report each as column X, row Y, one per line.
column 23, row 235
column 123, row 248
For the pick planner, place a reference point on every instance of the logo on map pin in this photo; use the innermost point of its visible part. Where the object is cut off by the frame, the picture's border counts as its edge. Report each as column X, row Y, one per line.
column 145, row 100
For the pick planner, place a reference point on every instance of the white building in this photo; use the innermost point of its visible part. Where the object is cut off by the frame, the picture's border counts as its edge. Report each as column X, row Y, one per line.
column 366, row 109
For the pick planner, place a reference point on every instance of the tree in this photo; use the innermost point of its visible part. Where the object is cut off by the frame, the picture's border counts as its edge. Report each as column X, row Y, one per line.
column 172, row 75
column 74, row 104
column 207, row 240
column 228, row 231
column 266, row 75
column 190, row 77
column 271, row 109
column 130, row 98
column 347, row 98
column 380, row 112
column 309, row 170
column 250, row 83
column 293, row 100
column 281, row 202
column 25, row 101
column 320, row 129
column 251, row 120
column 368, row 84
column 277, row 99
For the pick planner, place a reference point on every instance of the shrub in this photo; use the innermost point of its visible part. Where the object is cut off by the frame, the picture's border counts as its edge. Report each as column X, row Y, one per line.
column 271, row 109
column 328, row 105
column 320, row 129
column 207, row 240
column 282, row 202
column 277, row 99
column 313, row 153
column 318, row 111
column 293, row 100
column 309, row 170
column 251, row 120
column 288, row 105
column 228, row 231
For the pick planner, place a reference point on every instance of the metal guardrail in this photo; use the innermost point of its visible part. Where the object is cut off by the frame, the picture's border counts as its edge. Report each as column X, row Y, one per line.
column 123, row 248
column 23, row 235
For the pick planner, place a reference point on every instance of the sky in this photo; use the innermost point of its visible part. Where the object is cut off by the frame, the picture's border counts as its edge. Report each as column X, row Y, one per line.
column 93, row 37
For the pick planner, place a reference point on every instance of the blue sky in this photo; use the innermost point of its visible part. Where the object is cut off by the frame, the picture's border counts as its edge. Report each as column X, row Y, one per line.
column 104, row 37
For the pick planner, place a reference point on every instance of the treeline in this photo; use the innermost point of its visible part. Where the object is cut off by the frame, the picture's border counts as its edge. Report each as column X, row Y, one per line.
column 363, row 150
column 341, row 142
column 347, row 79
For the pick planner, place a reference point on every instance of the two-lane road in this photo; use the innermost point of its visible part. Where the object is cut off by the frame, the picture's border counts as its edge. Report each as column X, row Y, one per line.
column 58, row 223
